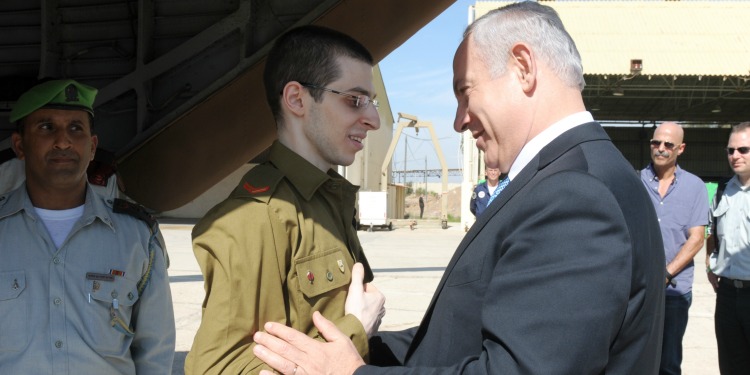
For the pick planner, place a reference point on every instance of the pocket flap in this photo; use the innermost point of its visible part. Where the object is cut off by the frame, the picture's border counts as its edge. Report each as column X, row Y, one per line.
column 464, row 274
column 328, row 271
column 721, row 209
column 12, row 283
column 125, row 291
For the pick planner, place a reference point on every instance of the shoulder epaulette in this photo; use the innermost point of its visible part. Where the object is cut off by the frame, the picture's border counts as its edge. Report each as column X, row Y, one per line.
column 259, row 183
column 135, row 210
column 721, row 186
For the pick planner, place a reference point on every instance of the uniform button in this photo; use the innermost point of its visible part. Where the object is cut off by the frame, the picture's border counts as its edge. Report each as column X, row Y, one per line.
column 109, row 201
column 329, row 276
column 58, row 344
column 56, row 260
column 58, row 301
column 114, row 294
column 131, row 296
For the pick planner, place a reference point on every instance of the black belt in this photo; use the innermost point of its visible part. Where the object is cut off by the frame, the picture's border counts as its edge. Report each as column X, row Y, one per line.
column 739, row 284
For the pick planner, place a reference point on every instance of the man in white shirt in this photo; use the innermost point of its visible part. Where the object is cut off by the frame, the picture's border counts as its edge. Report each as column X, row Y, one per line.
column 728, row 264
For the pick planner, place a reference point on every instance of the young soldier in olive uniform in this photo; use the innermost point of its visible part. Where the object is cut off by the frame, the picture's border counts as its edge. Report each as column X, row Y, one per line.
column 83, row 280
column 283, row 245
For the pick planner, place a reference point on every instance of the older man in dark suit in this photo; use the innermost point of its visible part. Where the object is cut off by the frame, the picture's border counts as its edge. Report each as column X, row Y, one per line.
column 564, row 272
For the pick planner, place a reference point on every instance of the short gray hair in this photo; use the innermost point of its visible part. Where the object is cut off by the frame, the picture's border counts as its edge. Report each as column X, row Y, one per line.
column 740, row 127
column 537, row 25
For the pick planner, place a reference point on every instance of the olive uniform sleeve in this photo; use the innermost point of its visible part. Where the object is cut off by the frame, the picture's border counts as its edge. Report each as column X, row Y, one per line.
column 352, row 328
column 244, row 288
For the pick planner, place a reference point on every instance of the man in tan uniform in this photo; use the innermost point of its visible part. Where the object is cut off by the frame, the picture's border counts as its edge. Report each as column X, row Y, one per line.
column 282, row 245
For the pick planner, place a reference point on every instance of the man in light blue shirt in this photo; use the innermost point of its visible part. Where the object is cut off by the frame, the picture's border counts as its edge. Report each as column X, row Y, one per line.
column 681, row 204
column 83, row 279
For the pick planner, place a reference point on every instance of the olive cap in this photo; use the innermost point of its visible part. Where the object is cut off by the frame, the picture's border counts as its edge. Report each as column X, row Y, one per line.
column 58, row 94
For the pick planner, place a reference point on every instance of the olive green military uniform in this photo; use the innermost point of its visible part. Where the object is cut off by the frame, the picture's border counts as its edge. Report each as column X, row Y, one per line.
column 280, row 247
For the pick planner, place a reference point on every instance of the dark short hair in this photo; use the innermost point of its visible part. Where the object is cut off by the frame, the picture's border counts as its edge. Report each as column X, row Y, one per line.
column 307, row 54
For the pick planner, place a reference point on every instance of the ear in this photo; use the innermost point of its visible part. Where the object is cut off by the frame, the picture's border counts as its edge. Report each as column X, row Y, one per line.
column 681, row 149
column 523, row 64
column 94, row 143
column 292, row 98
column 17, row 142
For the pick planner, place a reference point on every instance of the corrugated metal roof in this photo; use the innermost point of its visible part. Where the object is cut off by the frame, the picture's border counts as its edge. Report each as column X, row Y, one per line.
column 671, row 37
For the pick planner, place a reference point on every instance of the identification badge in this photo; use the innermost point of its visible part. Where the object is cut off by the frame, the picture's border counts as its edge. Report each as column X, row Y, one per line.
column 99, row 276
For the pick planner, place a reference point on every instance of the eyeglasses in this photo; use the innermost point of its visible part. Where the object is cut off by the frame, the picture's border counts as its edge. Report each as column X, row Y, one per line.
column 657, row 143
column 358, row 101
column 741, row 150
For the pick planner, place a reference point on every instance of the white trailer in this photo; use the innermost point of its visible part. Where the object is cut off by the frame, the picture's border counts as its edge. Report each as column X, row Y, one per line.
column 373, row 210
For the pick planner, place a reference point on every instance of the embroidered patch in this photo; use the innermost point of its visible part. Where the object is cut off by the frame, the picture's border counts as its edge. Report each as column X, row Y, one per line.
column 115, row 272
column 255, row 190
column 71, row 94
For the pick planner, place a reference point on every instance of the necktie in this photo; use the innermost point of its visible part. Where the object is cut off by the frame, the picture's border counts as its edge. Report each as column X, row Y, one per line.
column 499, row 188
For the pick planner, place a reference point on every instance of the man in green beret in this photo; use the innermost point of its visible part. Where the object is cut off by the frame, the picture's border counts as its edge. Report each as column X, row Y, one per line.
column 83, row 281
column 101, row 173
column 283, row 245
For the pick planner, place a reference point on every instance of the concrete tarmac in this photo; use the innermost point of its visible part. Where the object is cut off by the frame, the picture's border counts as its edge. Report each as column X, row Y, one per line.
column 408, row 265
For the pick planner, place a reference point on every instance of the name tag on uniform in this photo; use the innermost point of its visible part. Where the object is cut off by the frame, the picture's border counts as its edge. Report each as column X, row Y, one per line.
column 99, row 276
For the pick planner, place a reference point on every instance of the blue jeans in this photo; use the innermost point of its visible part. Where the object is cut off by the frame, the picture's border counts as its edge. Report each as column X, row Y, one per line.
column 675, row 322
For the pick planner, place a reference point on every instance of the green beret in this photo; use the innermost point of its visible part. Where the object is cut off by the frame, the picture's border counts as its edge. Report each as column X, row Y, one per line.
column 59, row 94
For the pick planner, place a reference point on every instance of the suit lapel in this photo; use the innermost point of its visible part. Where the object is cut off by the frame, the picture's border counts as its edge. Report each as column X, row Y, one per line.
column 514, row 187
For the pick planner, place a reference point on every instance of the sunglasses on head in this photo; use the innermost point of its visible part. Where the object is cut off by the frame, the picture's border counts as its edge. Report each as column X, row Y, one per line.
column 657, row 143
column 741, row 150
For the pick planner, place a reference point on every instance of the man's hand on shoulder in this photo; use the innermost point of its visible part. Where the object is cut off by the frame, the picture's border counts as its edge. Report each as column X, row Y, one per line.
column 292, row 352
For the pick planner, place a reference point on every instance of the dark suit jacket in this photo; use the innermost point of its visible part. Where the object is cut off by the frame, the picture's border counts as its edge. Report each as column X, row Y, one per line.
column 562, row 274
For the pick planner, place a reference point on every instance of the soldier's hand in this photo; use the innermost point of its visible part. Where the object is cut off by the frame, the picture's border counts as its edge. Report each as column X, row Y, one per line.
column 714, row 280
column 365, row 301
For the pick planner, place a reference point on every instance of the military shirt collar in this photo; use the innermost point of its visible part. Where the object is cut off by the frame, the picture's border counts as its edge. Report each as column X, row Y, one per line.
column 735, row 180
column 302, row 174
column 18, row 200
